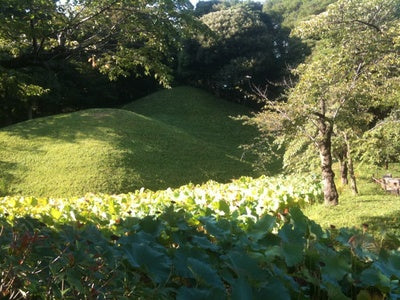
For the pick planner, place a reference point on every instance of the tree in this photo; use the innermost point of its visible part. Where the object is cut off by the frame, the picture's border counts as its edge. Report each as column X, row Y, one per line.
column 206, row 7
column 291, row 12
column 380, row 145
column 242, row 46
column 118, row 38
column 353, row 68
column 124, row 35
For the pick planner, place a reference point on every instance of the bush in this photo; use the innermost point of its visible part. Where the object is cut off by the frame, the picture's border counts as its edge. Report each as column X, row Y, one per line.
column 183, row 243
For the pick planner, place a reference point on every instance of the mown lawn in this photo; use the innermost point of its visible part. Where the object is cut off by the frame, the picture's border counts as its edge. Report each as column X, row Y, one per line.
column 118, row 150
column 200, row 115
column 373, row 206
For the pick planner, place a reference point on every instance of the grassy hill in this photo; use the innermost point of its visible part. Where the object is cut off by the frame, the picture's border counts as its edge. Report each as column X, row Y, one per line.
column 198, row 114
column 166, row 142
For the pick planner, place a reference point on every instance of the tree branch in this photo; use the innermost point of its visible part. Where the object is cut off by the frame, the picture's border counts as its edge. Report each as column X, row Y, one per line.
column 369, row 25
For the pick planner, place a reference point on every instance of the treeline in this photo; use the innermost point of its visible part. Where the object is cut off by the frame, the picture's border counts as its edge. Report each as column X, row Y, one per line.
column 59, row 56
column 244, row 46
column 249, row 44
column 66, row 55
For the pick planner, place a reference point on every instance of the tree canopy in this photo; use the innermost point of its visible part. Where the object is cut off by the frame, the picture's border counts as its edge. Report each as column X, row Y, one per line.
column 291, row 12
column 353, row 69
column 43, row 39
column 123, row 35
column 241, row 47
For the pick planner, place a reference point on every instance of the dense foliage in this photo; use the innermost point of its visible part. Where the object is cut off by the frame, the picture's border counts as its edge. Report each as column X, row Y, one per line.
column 216, row 241
column 243, row 47
column 51, row 51
column 291, row 12
column 351, row 74
column 380, row 145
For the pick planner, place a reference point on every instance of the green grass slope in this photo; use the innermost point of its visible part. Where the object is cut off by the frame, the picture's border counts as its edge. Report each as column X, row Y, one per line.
column 199, row 114
column 114, row 151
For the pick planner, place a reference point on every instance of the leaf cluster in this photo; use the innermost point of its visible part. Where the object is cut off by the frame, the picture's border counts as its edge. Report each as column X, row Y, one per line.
column 381, row 144
column 291, row 12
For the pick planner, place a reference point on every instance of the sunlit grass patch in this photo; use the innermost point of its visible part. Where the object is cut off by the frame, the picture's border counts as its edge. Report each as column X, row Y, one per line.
column 117, row 150
column 373, row 206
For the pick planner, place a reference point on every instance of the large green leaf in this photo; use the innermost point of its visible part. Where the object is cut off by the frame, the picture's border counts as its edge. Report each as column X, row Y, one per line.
column 335, row 265
column 273, row 252
column 242, row 290
column 293, row 254
column 274, row 289
column 219, row 229
column 371, row 277
column 204, row 242
column 157, row 264
column 291, row 235
column 335, row 292
column 151, row 225
column 181, row 256
column 263, row 226
column 298, row 220
column 185, row 293
column 389, row 264
column 205, row 273
column 245, row 266
column 292, row 245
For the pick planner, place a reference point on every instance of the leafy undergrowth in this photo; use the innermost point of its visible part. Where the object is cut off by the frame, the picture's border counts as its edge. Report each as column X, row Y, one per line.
column 235, row 241
column 117, row 151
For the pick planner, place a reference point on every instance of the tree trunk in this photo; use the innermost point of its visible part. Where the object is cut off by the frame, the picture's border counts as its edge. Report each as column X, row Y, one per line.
column 343, row 167
column 35, row 45
column 353, row 182
column 32, row 106
column 30, row 112
column 331, row 196
column 344, row 172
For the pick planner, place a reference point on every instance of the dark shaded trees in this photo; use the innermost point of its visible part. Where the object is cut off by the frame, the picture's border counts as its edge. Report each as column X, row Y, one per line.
column 242, row 47
column 42, row 39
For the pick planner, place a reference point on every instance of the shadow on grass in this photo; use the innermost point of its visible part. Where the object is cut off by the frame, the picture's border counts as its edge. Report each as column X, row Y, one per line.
column 142, row 152
column 6, row 177
column 385, row 228
column 390, row 222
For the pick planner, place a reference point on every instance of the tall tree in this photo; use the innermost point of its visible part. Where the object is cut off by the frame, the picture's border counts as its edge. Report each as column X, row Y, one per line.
column 354, row 67
column 242, row 46
column 119, row 38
